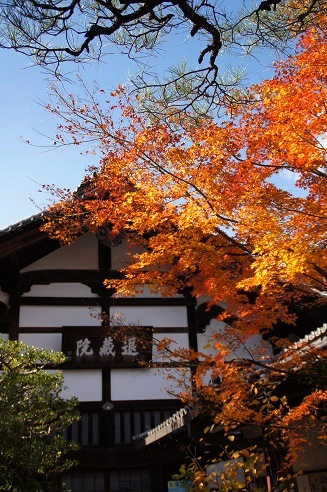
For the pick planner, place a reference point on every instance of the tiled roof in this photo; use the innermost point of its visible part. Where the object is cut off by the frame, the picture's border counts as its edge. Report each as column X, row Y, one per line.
column 317, row 338
column 21, row 224
column 178, row 420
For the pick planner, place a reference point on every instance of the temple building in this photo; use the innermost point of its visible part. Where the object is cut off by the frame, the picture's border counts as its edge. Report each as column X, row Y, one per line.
column 133, row 432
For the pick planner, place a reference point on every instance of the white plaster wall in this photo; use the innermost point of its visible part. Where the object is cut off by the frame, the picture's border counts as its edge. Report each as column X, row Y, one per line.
column 314, row 457
column 60, row 290
column 120, row 255
column 160, row 316
column 146, row 292
column 83, row 254
column 205, row 339
column 148, row 384
column 4, row 297
column 202, row 299
column 180, row 340
column 51, row 341
column 86, row 385
column 254, row 345
column 4, row 336
column 38, row 316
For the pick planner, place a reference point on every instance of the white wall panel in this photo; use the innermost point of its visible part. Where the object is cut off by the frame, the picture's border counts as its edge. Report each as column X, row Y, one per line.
column 86, row 385
column 205, row 339
column 60, row 290
column 202, row 299
column 34, row 316
column 120, row 255
column 254, row 345
column 50, row 341
column 4, row 336
column 313, row 457
column 4, row 297
column 180, row 340
column 147, row 384
column 146, row 292
column 161, row 316
column 83, row 254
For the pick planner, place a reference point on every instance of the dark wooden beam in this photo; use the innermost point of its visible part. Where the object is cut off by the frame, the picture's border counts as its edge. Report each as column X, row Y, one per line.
column 99, row 301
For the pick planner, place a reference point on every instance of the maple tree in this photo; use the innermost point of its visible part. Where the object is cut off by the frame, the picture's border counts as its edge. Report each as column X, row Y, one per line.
column 260, row 412
column 201, row 201
column 202, row 196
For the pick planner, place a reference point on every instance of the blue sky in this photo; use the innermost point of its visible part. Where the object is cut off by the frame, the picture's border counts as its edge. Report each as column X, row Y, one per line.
column 23, row 167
